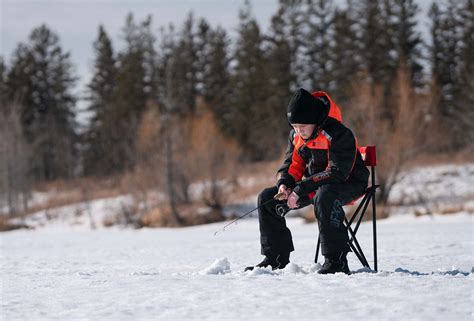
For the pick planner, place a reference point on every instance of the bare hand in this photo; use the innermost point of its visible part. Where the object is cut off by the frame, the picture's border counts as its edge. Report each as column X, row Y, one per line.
column 293, row 200
column 283, row 193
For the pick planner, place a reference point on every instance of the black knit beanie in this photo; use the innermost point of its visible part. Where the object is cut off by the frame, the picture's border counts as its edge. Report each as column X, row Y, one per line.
column 304, row 108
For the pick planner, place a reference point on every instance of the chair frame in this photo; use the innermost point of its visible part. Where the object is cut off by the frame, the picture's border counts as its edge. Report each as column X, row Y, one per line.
column 369, row 155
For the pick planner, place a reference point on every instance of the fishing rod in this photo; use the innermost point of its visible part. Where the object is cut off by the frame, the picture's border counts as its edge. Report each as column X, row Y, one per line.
column 282, row 212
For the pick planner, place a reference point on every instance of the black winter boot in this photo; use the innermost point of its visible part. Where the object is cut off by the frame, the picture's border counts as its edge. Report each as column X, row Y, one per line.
column 335, row 264
column 278, row 262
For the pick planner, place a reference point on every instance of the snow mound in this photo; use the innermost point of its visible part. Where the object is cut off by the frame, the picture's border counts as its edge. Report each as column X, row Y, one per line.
column 363, row 270
column 220, row 266
column 261, row 271
column 293, row 269
column 314, row 268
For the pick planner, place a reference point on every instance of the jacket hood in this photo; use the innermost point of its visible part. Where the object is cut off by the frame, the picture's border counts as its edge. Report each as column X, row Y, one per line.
column 333, row 111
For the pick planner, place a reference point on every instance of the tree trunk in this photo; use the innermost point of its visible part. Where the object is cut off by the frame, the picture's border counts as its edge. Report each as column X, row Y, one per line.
column 170, row 174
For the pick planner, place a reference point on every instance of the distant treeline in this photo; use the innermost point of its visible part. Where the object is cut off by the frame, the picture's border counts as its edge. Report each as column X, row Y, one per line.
column 246, row 81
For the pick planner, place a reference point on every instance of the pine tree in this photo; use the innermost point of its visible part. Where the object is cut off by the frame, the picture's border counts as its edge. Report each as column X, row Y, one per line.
column 146, row 42
column 134, row 88
column 407, row 38
column 280, row 76
column 373, row 30
column 318, row 60
column 250, row 115
column 288, row 23
column 344, row 51
column 375, row 36
column 436, row 47
column 467, row 51
column 178, row 68
column 392, row 24
column 451, row 67
column 3, row 84
column 445, row 54
column 435, row 33
column 99, row 152
column 217, row 82
column 203, row 58
column 464, row 101
column 169, row 107
column 41, row 79
column 167, row 47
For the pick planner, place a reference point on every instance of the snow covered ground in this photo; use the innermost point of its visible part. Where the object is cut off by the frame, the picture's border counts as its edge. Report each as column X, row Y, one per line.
column 434, row 189
column 425, row 273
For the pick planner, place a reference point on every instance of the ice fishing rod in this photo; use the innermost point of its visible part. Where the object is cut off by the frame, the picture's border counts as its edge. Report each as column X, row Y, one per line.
column 278, row 197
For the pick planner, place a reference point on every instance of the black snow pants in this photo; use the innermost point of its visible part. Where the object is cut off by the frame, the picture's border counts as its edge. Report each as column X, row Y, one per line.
column 275, row 237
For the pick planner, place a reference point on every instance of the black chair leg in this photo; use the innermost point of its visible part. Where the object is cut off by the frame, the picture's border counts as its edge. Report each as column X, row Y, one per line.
column 357, row 245
column 353, row 242
column 357, row 254
column 317, row 251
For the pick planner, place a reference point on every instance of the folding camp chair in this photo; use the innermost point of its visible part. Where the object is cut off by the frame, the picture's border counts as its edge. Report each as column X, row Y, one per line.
column 369, row 156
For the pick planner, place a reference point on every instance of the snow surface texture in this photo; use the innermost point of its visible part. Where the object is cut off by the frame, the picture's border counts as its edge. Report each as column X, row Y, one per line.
column 425, row 273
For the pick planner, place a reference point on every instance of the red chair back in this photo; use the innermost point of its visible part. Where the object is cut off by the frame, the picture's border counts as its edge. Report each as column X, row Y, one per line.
column 369, row 155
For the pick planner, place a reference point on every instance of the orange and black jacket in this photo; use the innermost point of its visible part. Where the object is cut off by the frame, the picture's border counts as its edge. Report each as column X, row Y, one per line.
column 330, row 155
